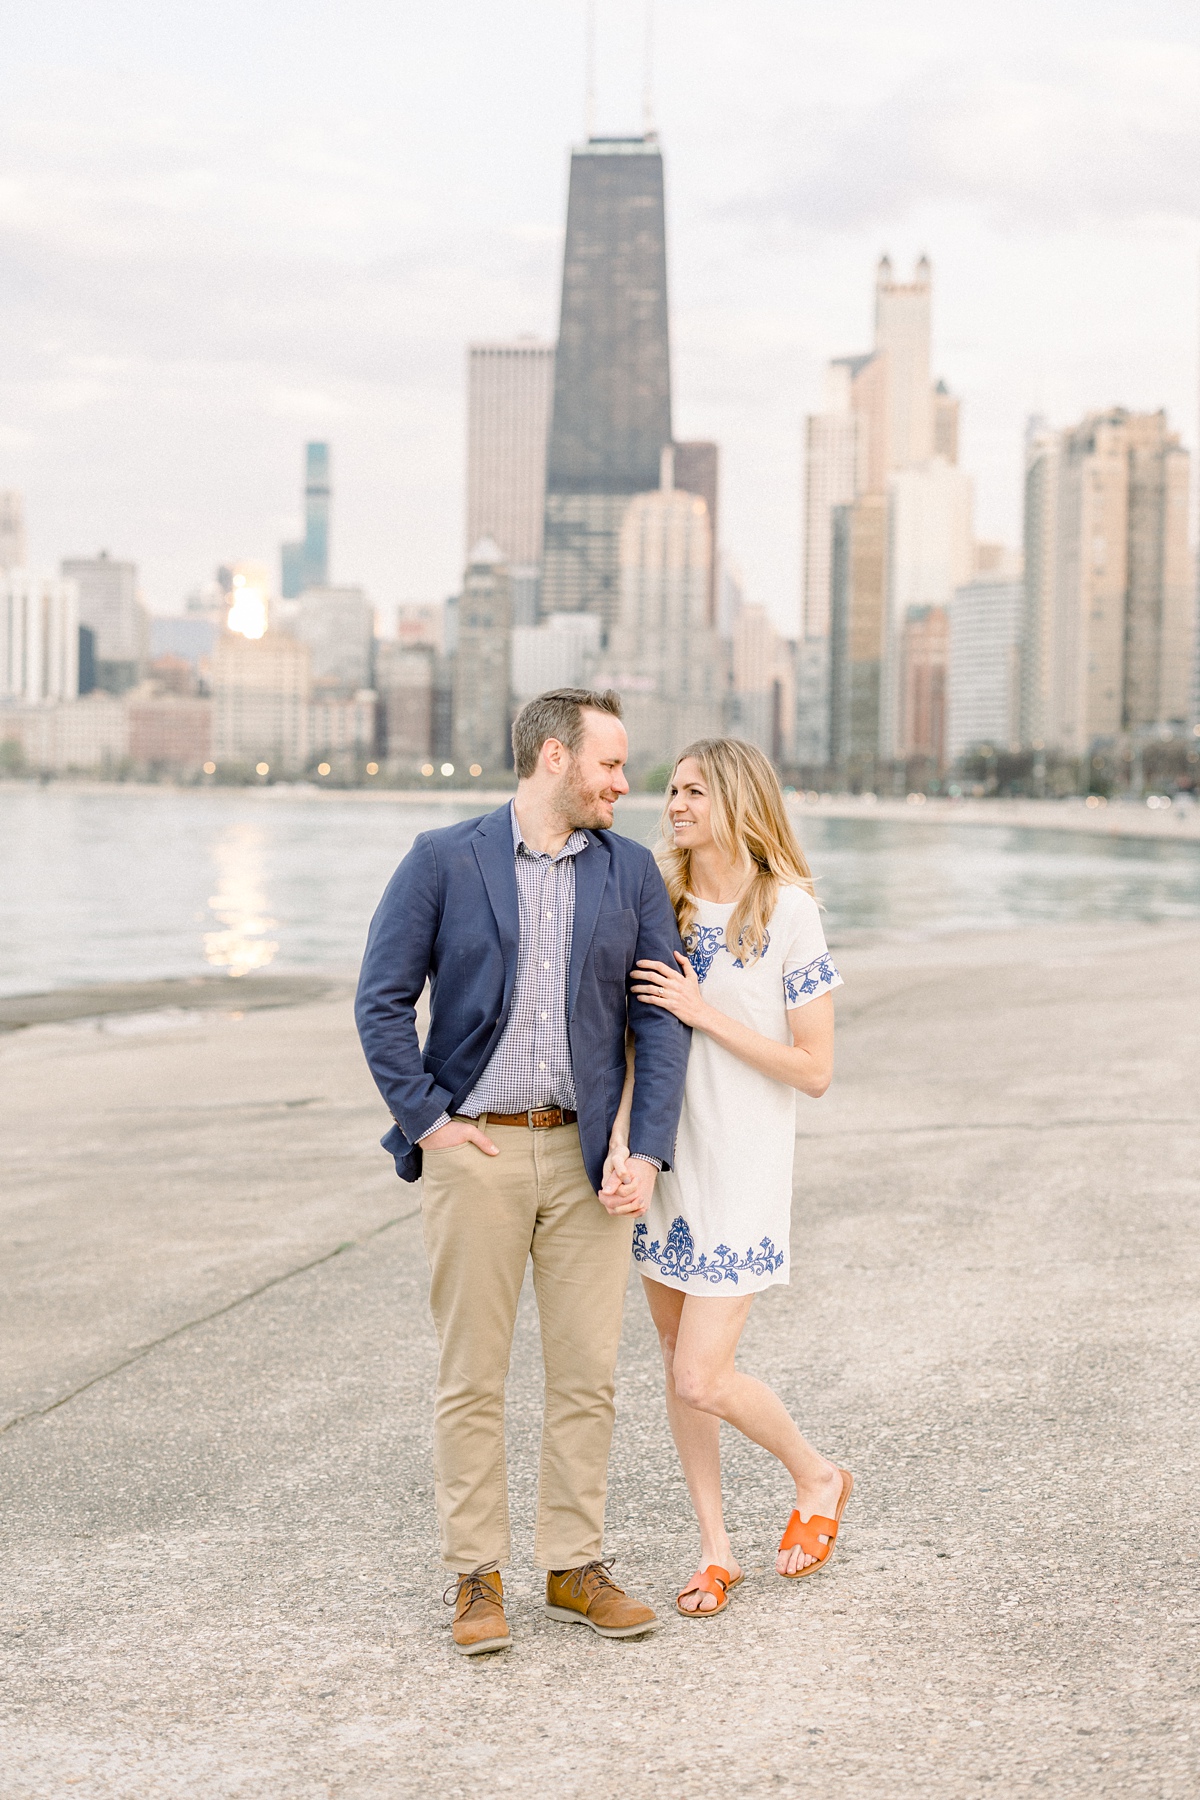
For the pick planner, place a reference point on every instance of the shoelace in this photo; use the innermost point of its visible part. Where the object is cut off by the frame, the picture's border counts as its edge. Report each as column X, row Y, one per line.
column 476, row 1588
column 600, row 1569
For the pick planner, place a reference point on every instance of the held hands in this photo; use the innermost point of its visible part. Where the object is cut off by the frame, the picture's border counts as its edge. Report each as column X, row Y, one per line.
column 628, row 1183
column 675, row 989
column 459, row 1131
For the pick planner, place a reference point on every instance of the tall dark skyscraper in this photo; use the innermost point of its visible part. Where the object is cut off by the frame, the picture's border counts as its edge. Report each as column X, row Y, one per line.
column 306, row 564
column 612, row 382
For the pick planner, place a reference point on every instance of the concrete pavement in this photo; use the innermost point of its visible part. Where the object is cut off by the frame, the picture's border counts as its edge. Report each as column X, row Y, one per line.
column 220, row 1576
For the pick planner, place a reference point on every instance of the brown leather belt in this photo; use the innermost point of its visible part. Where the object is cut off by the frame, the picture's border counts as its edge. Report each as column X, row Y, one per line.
column 538, row 1118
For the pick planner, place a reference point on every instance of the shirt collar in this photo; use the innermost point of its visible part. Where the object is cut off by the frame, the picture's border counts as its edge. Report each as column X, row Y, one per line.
column 577, row 841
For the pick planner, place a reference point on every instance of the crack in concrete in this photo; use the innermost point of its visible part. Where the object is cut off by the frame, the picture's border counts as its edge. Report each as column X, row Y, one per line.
column 139, row 1355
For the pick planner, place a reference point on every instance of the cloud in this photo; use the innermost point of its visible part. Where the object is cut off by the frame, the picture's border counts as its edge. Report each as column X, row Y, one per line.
column 1053, row 139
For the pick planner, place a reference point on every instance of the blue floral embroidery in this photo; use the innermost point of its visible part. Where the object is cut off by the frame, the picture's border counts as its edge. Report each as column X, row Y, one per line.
column 677, row 1257
column 800, row 984
column 703, row 945
column 706, row 941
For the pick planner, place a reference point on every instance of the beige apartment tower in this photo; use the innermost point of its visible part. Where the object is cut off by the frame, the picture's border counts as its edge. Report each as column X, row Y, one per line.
column 1109, row 607
column 886, row 431
column 857, row 631
column 510, row 393
column 902, row 331
column 663, row 656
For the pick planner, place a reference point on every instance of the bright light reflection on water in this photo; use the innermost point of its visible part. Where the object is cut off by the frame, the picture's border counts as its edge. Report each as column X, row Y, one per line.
column 131, row 884
column 240, row 903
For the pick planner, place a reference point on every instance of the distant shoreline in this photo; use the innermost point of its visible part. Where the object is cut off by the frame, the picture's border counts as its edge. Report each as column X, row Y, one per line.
column 1120, row 818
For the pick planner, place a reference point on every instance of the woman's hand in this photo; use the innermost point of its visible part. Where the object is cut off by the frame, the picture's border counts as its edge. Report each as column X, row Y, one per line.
column 616, row 1166
column 675, row 989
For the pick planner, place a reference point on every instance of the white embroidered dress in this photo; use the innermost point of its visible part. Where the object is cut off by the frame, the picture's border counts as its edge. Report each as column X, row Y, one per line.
column 719, row 1220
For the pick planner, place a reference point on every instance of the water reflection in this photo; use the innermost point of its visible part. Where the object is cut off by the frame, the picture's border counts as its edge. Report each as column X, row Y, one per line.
column 240, row 904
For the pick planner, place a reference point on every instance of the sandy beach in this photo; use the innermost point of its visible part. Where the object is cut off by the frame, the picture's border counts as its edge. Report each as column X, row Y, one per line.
column 216, row 1363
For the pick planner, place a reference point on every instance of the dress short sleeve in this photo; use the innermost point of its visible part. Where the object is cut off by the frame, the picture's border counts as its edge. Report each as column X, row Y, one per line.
column 808, row 971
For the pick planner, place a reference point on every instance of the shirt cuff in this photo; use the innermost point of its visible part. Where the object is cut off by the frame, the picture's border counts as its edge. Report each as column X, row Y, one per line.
column 640, row 1156
column 436, row 1126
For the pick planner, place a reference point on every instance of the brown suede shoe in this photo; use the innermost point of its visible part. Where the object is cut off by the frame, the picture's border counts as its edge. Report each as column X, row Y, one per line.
column 589, row 1596
column 479, row 1621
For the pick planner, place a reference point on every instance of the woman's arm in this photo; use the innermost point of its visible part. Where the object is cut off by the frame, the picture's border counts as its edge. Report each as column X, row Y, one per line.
column 618, row 1137
column 805, row 1064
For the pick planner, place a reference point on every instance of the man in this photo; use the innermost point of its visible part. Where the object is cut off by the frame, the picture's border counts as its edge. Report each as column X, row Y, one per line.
column 527, row 923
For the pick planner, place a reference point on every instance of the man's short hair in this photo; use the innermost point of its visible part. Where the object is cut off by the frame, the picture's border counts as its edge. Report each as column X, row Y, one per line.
column 557, row 714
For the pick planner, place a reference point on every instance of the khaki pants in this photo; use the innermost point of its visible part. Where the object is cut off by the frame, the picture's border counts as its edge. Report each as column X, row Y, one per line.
column 483, row 1217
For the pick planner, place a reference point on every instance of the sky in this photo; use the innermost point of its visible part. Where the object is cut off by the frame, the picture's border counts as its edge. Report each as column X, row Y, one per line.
column 228, row 227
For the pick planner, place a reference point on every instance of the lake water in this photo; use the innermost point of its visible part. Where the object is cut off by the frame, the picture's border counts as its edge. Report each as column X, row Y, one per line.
column 133, row 884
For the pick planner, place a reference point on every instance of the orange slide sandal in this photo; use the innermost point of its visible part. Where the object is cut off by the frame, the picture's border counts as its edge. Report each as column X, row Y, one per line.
column 712, row 1580
column 807, row 1533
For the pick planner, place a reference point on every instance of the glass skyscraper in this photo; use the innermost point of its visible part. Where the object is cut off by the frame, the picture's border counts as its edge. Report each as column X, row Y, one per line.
column 612, row 384
column 306, row 564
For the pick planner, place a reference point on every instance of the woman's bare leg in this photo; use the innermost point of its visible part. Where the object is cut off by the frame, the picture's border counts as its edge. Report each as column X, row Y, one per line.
column 697, row 1438
column 705, row 1380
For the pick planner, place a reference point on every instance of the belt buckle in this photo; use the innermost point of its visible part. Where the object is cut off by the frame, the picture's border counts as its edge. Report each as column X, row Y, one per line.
column 541, row 1118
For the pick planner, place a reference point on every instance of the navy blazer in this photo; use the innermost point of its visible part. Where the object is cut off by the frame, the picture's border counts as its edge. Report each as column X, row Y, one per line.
column 450, row 913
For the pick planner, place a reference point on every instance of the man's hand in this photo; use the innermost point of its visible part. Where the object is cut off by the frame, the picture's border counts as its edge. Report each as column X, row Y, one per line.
column 459, row 1131
column 628, row 1183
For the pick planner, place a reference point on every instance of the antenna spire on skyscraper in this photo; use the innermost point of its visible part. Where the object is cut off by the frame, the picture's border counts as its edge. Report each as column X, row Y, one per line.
column 589, row 53
column 648, row 74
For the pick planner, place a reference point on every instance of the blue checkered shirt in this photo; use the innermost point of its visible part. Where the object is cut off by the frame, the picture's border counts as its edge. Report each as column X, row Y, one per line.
column 531, row 1065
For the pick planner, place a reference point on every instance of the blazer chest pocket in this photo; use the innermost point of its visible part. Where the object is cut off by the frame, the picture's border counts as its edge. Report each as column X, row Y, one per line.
column 614, row 942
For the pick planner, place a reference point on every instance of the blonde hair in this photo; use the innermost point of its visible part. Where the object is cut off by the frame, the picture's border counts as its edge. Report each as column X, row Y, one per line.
column 751, row 828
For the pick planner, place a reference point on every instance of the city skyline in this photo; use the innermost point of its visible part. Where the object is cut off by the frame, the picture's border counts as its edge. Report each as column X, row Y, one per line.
column 169, row 434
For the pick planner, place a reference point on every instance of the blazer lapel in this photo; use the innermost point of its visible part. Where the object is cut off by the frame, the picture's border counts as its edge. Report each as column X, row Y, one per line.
column 591, row 874
column 493, row 847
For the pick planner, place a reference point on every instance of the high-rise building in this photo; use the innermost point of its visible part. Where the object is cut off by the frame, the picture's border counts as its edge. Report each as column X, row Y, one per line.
column 261, row 689
column 305, row 563
column 1043, row 449
column 663, row 657
column 846, row 454
column 902, row 331
column 697, row 471
column 612, row 390
column 882, row 419
column 945, row 423
column 858, row 619
column 930, row 553
column 831, row 478
column 342, row 726
column 560, row 652
column 510, row 391
column 924, row 659
column 985, row 665
column 39, row 638
column 12, row 530
column 404, row 682
column 481, row 662
column 421, row 622
column 762, row 703
column 338, row 625
column 1108, row 592
column 110, row 606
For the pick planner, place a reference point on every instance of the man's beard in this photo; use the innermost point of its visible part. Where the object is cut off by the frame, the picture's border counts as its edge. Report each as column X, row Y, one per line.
column 581, row 806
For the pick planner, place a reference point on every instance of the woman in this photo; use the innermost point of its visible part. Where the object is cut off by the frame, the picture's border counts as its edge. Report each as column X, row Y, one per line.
column 755, row 987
